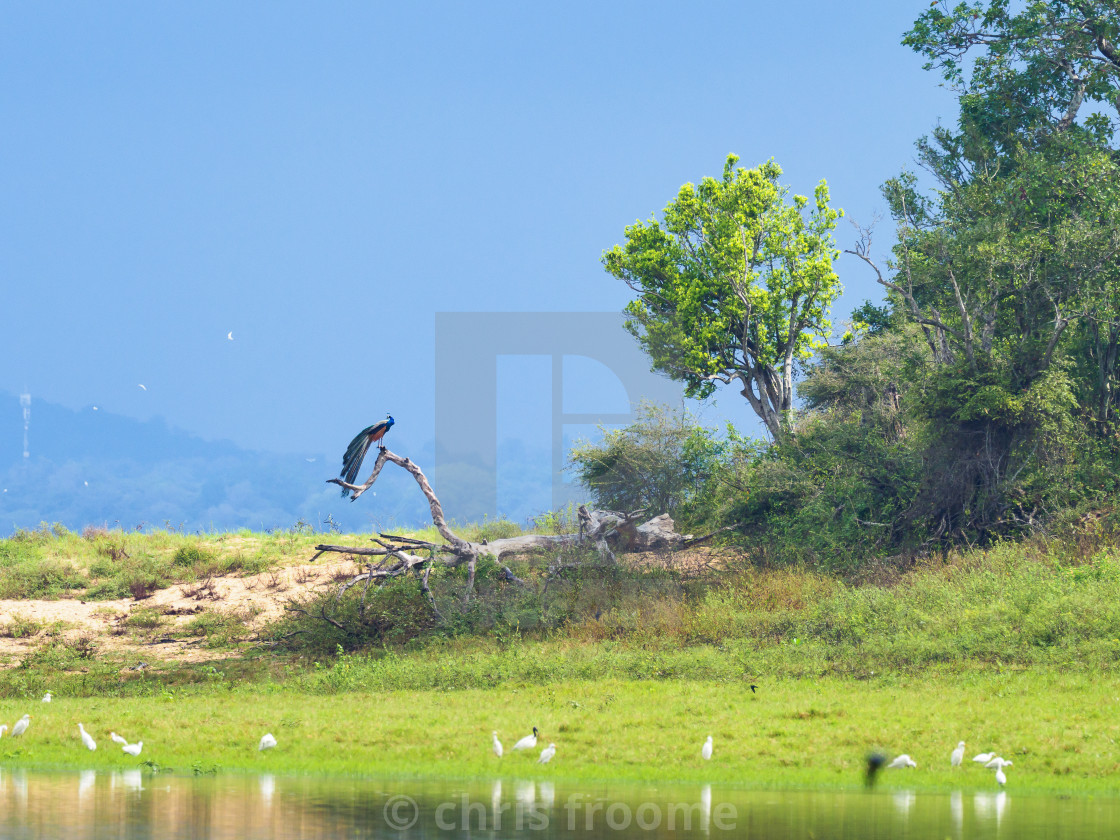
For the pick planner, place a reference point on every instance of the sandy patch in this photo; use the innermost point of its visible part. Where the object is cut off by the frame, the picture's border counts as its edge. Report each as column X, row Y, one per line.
column 258, row 599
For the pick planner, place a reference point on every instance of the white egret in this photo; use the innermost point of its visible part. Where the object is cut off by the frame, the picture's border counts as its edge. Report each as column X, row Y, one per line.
column 902, row 761
column 528, row 742
column 1001, row 777
column 21, row 726
column 3, row 729
column 47, row 696
column 984, row 758
column 996, row 763
column 117, row 739
column 142, row 387
column 546, row 754
column 497, row 745
column 958, row 755
column 87, row 739
column 229, row 335
column 267, row 742
column 133, row 749
column 706, row 750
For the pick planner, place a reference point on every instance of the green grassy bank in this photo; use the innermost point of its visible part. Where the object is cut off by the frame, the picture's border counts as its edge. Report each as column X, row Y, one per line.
column 626, row 668
column 1057, row 727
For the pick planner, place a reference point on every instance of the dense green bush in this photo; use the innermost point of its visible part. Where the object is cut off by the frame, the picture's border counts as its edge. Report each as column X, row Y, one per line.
column 660, row 463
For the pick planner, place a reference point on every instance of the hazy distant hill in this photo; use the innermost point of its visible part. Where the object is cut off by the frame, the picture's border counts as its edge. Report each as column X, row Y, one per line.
column 96, row 468
column 93, row 467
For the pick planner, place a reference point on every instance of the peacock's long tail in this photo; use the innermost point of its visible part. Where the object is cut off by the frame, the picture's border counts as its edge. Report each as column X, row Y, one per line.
column 352, row 460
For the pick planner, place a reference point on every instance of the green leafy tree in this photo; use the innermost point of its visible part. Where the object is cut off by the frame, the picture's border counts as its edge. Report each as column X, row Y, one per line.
column 735, row 285
column 660, row 462
column 1035, row 65
column 1011, row 266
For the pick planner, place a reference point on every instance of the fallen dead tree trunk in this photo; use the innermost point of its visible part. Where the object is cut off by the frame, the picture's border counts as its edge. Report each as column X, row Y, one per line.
column 607, row 530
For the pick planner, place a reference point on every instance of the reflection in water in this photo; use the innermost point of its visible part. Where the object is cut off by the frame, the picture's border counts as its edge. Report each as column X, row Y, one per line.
column 132, row 803
column 984, row 805
column 706, row 808
column 903, row 802
column 524, row 793
column 1001, row 803
column 548, row 794
column 268, row 785
column 133, row 780
column 86, row 778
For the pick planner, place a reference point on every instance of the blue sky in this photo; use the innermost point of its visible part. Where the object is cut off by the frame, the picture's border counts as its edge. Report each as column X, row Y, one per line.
column 321, row 179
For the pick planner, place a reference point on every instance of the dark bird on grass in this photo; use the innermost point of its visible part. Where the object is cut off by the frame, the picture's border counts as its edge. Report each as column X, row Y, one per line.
column 359, row 446
column 875, row 761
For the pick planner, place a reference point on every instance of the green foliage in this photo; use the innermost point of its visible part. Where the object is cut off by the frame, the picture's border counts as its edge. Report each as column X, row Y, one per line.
column 492, row 529
column 734, row 284
column 1008, row 269
column 1025, row 68
column 219, row 628
column 30, row 575
column 191, row 555
column 51, row 562
column 658, row 463
column 20, row 627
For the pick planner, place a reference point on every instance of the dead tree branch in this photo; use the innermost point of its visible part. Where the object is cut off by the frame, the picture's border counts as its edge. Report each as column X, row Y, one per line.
column 603, row 528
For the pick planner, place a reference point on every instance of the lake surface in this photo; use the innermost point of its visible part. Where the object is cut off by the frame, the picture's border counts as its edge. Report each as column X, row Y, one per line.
column 138, row 804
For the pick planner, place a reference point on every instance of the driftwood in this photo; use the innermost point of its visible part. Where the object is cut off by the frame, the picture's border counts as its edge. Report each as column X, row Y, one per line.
column 607, row 530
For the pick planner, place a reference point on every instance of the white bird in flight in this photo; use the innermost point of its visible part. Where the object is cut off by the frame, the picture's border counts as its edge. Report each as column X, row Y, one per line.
column 267, row 742
column 21, row 726
column 142, row 387
column 903, row 761
column 497, row 745
column 133, row 749
column 546, row 754
column 528, row 742
column 117, row 739
column 706, row 750
column 87, row 739
column 230, row 335
column 958, row 755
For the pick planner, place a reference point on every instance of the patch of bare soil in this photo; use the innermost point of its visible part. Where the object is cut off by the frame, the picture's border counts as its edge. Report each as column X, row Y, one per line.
column 255, row 600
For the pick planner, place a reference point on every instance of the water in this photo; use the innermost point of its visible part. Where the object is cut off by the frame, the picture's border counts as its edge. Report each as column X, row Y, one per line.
column 137, row 804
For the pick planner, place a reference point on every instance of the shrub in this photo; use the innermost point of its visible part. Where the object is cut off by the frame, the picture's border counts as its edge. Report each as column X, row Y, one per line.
column 20, row 627
column 40, row 578
column 658, row 462
column 193, row 555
